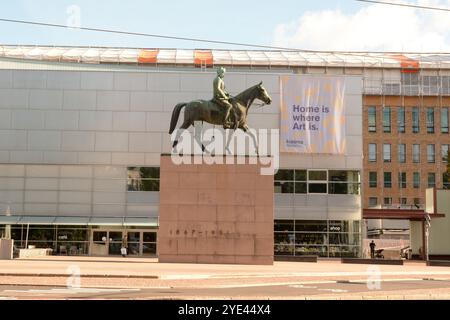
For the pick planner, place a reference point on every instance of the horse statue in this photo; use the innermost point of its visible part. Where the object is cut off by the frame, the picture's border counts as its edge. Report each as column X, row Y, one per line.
column 210, row 112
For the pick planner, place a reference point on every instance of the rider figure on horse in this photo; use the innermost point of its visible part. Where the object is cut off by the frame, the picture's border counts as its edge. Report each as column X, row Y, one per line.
column 222, row 98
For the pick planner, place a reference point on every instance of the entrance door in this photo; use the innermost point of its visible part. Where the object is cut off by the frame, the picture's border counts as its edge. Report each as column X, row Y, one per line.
column 109, row 242
column 149, row 243
column 115, row 242
column 134, row 243
column 99, row 246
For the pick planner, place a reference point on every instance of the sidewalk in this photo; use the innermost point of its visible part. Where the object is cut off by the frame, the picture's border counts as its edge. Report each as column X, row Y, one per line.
column 145, row 272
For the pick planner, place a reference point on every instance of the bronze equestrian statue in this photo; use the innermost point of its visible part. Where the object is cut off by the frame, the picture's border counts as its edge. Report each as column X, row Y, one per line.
column 222, row 98
column 223, row 110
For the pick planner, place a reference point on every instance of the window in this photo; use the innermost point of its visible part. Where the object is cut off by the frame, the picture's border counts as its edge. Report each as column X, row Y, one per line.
column 317, row 182
column 388, row 180
column 373, row 202
column 431, row 156
column 317, row 237
column 416, row 153
column 387, row 119
column 373, row 179
column 431, row 180
column 416, row 180
column 446, row 180
column 410, row 84
column 402, row 153
column 372, row 113
column 387, row 152
column 284, row 181
column 402, row 180
column 415, row 120
column 387, row 201
column 445, row 152
column 401, row 119
column 343, row 182
column 290, row 181
column 444, row 120
column 430, row 120
column 417, row 202
column 372, row 152
column 402, row 201
column 301, row 182
column 143, row 179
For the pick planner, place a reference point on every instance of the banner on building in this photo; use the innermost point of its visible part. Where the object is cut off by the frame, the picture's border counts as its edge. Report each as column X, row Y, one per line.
column 312, row 114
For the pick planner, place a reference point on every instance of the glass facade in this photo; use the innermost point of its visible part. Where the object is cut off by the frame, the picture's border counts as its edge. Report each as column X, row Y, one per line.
column 317, row 237
column 143, row 179
column 317, row 182
column 82, row 240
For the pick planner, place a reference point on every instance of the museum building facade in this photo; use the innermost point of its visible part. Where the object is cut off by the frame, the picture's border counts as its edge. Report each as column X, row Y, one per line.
column 81, row 140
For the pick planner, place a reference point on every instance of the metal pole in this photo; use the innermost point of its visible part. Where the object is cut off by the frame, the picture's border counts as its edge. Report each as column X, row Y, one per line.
column 26, row 241
column 427, row 235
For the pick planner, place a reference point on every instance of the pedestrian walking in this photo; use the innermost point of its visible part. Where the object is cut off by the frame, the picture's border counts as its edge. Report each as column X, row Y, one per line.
column 372, row 249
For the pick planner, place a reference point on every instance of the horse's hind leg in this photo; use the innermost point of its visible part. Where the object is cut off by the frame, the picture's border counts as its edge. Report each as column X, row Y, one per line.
column 186, row 124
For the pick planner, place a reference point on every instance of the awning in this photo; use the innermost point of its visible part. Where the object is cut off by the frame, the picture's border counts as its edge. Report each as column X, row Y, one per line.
column 80, row 221
column 71, row 221
column 39, row 220
column 141, row 222
column 8, row 220
column 398, row 214
column 97, row 221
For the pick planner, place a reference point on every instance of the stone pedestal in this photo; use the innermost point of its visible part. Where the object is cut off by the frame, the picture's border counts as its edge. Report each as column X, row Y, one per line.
column 219, row 213
column 6, row 249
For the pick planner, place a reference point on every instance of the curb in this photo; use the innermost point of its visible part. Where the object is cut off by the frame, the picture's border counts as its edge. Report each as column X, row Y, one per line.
column 55, row 275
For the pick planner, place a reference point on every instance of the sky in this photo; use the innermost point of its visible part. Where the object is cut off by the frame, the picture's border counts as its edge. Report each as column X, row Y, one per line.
column 342, row 25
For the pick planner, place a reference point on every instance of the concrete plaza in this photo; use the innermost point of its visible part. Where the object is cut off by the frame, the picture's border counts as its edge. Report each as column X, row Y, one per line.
column 139, row 278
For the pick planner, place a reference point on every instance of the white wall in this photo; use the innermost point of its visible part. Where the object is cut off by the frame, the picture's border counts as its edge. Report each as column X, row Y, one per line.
column 115, row 119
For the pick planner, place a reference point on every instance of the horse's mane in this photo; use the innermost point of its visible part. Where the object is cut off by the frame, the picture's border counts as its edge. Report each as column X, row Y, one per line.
column 242, row 96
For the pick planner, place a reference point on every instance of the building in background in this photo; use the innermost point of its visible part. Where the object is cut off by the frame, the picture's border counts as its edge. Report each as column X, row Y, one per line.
column 82, row 129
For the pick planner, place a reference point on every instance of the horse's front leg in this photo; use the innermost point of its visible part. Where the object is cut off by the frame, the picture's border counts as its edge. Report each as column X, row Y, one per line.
column 247, row 130
column 230, row 136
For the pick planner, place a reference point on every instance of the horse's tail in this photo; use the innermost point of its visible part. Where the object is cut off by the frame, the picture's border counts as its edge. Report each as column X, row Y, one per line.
column 175, row 116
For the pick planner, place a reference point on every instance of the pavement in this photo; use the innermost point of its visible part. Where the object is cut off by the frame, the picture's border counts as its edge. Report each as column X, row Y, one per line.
column 68, row 277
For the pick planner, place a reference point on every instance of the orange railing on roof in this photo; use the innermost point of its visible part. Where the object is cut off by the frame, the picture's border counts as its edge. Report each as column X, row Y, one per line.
column 408, row 65
column 203, row 58
column 148, row 56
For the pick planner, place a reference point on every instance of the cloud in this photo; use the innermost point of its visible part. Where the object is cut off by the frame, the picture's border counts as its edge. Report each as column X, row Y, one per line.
column 374, row 27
